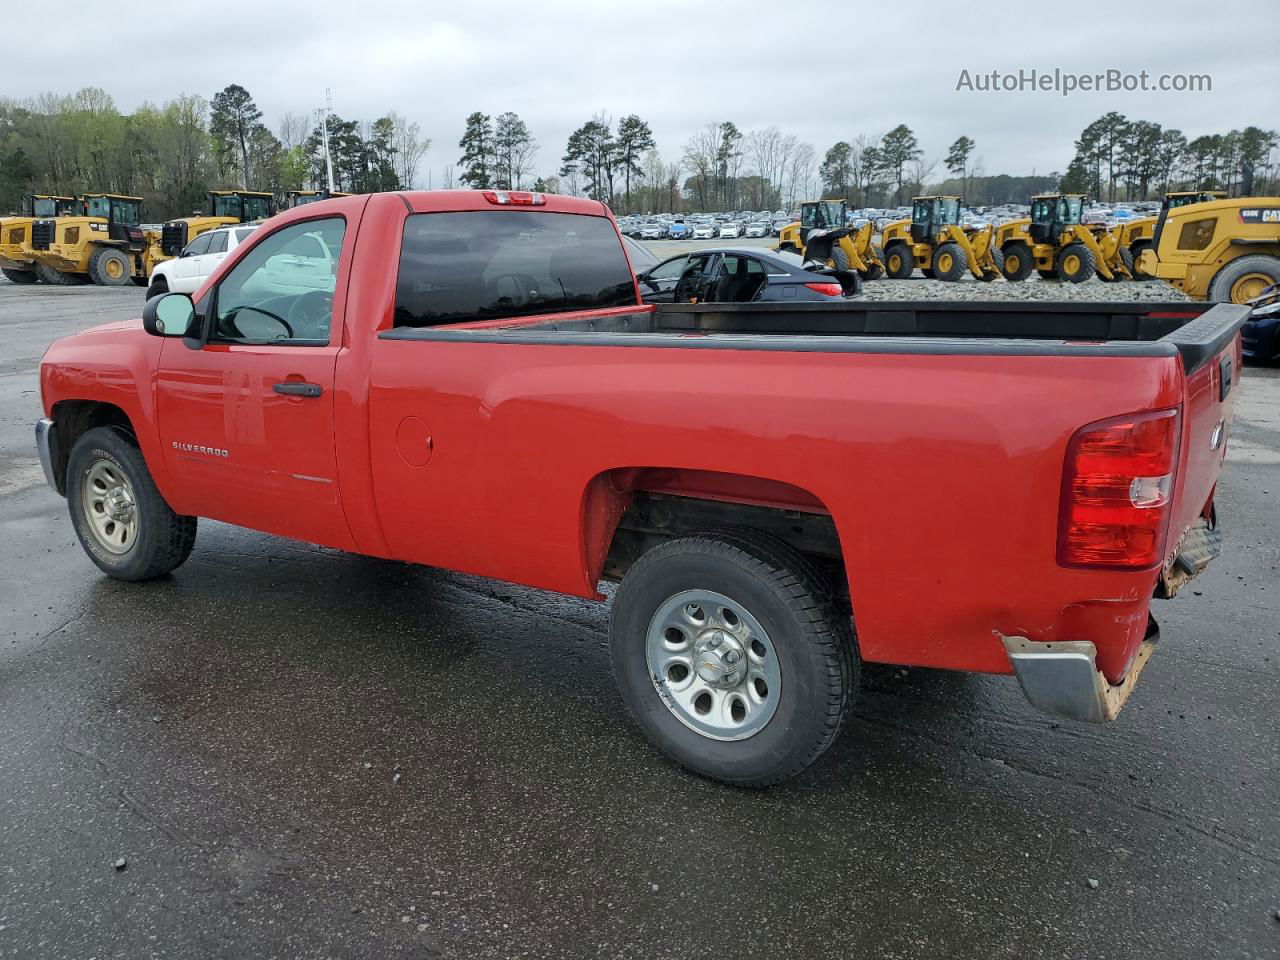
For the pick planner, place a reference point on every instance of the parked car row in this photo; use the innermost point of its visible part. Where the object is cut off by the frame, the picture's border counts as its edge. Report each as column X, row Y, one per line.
column 711, row 226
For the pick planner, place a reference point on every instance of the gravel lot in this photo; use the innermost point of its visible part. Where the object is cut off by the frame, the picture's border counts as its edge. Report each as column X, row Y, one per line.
column 294, row 753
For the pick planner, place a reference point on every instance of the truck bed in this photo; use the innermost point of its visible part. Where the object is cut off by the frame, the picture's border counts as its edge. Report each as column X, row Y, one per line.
column 1195, row 331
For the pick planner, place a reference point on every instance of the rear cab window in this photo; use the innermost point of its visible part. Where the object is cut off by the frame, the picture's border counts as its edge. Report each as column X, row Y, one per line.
column 492, row 265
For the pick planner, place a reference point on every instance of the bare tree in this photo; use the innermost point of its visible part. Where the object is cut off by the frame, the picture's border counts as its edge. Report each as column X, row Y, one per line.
column 800, row 174
column 294, row 129
column 409, row 148
column 702, row 155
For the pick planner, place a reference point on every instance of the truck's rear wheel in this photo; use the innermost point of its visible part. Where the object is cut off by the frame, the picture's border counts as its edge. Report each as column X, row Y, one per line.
column 57, row 278
column 899, row 263
column 732, row 657
column 950, row 262
column 158, row 286
column 1244, row 278
column 1017, row 263
column 1075, row 263
column 109, row 267
column 123, row 523
column 19, row 276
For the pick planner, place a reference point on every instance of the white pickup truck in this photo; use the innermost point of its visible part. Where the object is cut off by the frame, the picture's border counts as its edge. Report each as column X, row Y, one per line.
column 199, row 258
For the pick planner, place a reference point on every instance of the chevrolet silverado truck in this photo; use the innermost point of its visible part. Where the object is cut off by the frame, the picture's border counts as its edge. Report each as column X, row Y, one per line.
column 782, row 491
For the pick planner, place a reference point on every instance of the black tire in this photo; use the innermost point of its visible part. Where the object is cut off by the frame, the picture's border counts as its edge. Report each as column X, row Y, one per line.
column 1222, row 286
column 163, row 539
column 812, row 639
column 997, row 259
column 950, row 262
column 927, row 273
column 1076, row 264
column 139, row 281
column 1126, row 257
column 1135, row 252
column 787, row 248
column 1016, row 262
column 839, row 259
column 158, row 286
column 54, row 277
column 899, row 262
column 20, row 276
column 873, row 272
column 1047, row 274
column 109, row 267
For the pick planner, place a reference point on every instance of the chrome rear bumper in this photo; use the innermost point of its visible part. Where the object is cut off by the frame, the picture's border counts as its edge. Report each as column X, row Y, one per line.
column 1063, row 679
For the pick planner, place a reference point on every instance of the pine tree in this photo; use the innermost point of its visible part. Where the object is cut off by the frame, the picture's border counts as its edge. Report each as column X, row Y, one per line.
column 477, row 152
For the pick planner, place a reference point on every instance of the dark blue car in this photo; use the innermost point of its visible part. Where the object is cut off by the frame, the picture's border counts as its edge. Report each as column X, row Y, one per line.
column 1260, row 336
column 679, row 230
column 744, row 275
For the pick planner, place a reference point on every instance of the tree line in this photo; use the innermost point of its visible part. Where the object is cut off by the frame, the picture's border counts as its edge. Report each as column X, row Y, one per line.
column 1118, row 158
column 171, row 155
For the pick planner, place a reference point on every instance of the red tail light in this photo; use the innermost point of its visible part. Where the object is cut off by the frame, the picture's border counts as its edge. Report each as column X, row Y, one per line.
column 1116, row 492
column 518, row 197
column 827, row 289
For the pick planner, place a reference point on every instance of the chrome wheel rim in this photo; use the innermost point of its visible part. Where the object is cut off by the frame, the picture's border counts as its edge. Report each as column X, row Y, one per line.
column 713, row 665
column 109, row 507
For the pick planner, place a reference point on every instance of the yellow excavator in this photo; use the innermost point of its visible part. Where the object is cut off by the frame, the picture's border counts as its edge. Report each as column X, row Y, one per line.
column 104, row 244
column 935, row 241
column 823, row 235
column 225, row 207
column 1225, row 250
column 16, row 262
column 296, row 198
column 1055, row 243
column 1134, row 236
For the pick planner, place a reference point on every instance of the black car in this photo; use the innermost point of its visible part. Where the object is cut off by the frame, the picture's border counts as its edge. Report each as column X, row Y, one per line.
column 1260, row 336
column 743, row 275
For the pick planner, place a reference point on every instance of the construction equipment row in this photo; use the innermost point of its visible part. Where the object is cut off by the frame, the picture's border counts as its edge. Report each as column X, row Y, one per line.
column 1208, row 246
column 98, row 237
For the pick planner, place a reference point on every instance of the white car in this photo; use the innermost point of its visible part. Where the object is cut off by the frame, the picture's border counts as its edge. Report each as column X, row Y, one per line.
column 704, row 231
column 731, row 231
column 185, row 272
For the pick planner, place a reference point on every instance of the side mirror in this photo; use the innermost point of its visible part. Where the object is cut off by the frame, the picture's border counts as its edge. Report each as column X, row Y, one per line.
column 168, row 315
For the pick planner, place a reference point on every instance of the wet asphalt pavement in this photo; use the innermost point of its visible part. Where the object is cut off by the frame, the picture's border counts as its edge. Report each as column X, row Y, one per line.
column 300, row 753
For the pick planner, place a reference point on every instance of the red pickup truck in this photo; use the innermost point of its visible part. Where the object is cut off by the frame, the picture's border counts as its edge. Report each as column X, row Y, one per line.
column 469, row 379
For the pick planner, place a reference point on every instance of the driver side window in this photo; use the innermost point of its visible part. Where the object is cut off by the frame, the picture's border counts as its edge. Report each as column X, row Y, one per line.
column 282, row 290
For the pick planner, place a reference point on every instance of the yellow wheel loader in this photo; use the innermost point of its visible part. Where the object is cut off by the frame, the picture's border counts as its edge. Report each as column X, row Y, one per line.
column 934, row 241
column 1055, row 244
column 1133, row 237
column 296, row 198
column 104, row 245
column 1224, row 250
column 823, row 235
column 16, row 262
column 225, row 208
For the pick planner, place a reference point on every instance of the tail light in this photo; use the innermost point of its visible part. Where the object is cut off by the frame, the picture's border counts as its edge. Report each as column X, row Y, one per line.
column 1116, row 492
column 516, row 197
column 826, row 289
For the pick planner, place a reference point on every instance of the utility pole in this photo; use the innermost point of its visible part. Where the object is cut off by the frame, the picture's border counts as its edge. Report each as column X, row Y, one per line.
column 324, row 136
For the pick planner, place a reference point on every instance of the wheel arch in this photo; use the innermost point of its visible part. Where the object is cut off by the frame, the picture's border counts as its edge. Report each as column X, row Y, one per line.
column 75, row 418
column 626, row 511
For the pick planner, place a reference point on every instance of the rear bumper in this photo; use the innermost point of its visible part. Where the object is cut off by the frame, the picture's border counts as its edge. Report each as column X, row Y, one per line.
column 1063, row 679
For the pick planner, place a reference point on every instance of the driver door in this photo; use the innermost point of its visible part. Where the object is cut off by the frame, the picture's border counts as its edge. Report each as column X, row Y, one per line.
column 247, row 420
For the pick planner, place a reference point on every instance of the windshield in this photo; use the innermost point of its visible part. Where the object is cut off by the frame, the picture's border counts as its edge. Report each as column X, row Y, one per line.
column 125, row 211
column 485, row 265
column 302, row 198
column 256, row 208
column 824, row 215
column 950, row 210
column 1071, row 209
column 44, row 207
column 227, row 205
column 98, row 207
column 1042, row 210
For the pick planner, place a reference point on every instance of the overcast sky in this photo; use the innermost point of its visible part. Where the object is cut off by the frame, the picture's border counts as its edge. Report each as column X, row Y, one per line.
column 824, row 72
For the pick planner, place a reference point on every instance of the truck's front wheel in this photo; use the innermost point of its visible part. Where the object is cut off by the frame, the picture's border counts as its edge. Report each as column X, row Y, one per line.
column 123, row 523
column 732, row 656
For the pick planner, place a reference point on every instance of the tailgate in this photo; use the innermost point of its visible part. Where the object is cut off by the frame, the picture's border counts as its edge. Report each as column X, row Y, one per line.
column 1210, row 350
